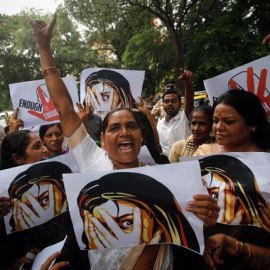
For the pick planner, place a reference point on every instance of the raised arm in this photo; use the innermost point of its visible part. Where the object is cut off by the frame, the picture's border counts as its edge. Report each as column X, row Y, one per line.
column 142, row 107
column 58, row 92
column 186, row 76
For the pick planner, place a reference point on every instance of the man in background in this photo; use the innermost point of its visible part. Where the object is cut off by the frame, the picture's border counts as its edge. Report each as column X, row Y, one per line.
column 174, row 125
column 151, row 103
column 158, row 110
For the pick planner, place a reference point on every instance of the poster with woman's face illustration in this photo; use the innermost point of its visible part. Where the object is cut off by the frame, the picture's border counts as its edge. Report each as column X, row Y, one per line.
column 37, row 194
column 237, row 185
column 135, row 207
column 107, row 89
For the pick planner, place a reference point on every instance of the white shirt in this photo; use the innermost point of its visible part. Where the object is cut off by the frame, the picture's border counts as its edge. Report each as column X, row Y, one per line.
column 89, row 157
column 169, row 133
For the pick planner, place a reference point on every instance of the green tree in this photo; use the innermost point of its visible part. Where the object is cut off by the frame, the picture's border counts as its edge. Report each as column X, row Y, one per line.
column 228, row 38
column 108, row 27
column 19, row 61
column 113, row 23
column 16, row 55
column 150, row 51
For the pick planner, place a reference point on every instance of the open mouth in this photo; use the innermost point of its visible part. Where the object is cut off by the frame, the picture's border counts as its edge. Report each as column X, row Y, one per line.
column 125, row 147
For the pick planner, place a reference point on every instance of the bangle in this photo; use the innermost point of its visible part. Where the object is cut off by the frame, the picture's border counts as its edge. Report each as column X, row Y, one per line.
column 237, row 247
column 249, row 253
column 50, row 71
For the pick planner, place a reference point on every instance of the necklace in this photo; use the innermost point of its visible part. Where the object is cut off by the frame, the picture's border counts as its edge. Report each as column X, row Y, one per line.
column 114, row 168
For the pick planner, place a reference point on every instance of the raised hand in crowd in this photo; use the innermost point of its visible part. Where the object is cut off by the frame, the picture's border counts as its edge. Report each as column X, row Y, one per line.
column 57, row 266
column 142, row 107
column 55, row 85
column 15, row 123
column 266, row 40
column 265, row 220
column 84, row 114
column 186, row 77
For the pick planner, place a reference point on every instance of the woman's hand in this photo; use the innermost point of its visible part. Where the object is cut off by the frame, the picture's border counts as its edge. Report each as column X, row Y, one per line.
column 15, row 123
column 5, row 206
column 142, row 107
column 112, row 235
column 84, row 114
column 57, row 266
column 215, row 246
column 205, row 208
column 43, row 32
column 265, row 220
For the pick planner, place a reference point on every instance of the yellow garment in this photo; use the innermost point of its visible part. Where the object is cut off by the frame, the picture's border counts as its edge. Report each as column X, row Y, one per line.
column 204, row 149
column 158, row 109
column 182, row 148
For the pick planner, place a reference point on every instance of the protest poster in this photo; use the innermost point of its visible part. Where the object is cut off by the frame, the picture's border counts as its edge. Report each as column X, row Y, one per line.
column 106, row 89
column 35, row 105
column 137, row 206
column 251, row 77
column 37, row 192
column 238, row 181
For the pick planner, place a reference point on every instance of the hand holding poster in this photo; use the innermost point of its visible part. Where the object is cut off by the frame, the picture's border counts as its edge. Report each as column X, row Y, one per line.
column 35, row 105
column 240, row 184
column 105, row 89
column 251, row 77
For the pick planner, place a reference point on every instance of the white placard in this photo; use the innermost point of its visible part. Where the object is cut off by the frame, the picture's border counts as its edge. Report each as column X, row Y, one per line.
column 35, row 106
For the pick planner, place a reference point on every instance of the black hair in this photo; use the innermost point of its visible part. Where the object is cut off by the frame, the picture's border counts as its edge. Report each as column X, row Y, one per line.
column 149, row 140
column 249, row 107
column 14, row 143
column 106, row 118
column 43, row 129
column 207, row 110
column 171, row 92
